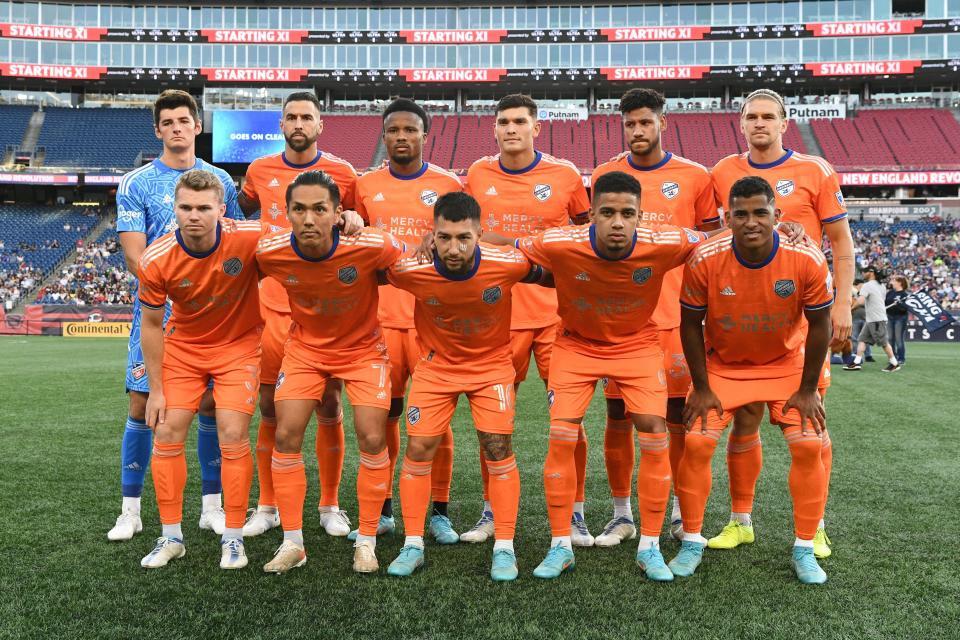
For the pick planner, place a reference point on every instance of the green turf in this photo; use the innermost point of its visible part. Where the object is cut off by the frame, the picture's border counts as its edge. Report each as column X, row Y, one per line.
column 892, row 517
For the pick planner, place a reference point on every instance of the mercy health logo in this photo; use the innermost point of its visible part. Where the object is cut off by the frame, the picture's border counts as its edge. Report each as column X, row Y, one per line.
column 884, row 67
column 879, row 28
column 454, row 36
column 51, row 71
column 253, row 75
column 43, row 32
column 654, row 73
column 452, row 75
column 254, row 36
column 654, row 34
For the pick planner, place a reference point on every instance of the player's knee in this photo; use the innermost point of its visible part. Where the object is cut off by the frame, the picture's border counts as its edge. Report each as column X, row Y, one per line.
column 496, row 446
column 421, row 448
column 646, row 423
column 287, row 440
column 747, row 419
column 616, row 409
column 371, row 441
column 137, row 408
column 396, row 408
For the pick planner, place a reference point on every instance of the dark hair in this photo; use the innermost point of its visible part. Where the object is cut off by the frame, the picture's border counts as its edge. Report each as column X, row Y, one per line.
column 406, row 105
column 616, row 182
column 640, row 98
column 315, row 178
column 173, row 99
column 751, row 186
column 302, row 96
column 456, row 206
column 515, row 100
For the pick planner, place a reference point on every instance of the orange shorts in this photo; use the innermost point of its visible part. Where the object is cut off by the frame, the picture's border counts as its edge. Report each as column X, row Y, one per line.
column 234, row 369
column 304, row 376
column 825, row 375
column 573, row 379
column 404, row 356
column 434, row 395
column 674, row 364
column 734, row 393
column 540, row 342
column 276, row 329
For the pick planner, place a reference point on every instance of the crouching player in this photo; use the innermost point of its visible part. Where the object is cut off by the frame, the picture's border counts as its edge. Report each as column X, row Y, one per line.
column 754, row 288
column 210, row 275
column 331, row 281
column 462, row 318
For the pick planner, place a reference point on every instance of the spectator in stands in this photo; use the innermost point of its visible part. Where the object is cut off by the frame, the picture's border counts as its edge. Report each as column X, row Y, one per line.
column 873, row 297
column 91, row 279
column 897, row 314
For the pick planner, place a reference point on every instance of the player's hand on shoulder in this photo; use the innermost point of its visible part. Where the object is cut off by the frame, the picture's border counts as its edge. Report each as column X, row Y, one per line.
column 424, row 250
column 698, row 406
column 796, row 233
column 228, row 224
column 810, row 407
column 351, row 223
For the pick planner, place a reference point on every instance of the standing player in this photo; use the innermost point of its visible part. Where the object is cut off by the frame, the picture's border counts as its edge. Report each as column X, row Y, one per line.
column 331, row 282
column 678, row 192
column 753, row 288
column 522, row 192
column 808, row 192
column 463, row 299
column 144, row 213
column 265, row 189
column 210, row 276
column 399, row 198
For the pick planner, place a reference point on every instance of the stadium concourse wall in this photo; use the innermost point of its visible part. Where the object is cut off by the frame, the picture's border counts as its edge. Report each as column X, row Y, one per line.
column 100, row 321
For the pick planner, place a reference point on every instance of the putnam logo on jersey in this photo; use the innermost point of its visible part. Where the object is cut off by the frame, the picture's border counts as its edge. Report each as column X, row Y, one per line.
column 233, row 267
column 542, row 192
column 492, row 295
column 413, row 415
column 642, row 274
column 670, row 190
column 784, row 288
column 347, row 275
column 785, row 187
column 428, row 197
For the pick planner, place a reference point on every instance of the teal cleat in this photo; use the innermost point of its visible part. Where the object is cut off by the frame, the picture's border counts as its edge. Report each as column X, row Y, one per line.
column 386, row 525
column 409, row 560
column 687, row 561
column 504, row 568
column 651, row 561
column 805, row 564
column 442, row 530
column 559, row 560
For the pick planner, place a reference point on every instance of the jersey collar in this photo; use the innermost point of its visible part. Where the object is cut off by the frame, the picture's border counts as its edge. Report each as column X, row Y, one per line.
column 770, row 165
column 197, row 164
column 765, row 261
column 593, row 243
column 333, row 247
column 414, row 176
column 515, row 172
column 666, row 159
column 293, row 165
column 199, row 256
column 457, row 276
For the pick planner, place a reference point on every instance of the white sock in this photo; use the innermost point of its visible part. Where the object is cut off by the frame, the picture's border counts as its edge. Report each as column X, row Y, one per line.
column 694, row 537
column 131, row 505
column 229, row 533
column 503, row 544
column 295, row 536
column 371, row 539
column 621, row 508
column 329, row 508
column 487, row 507
column 172, row 531
column 821, row 525
column 412, row 541
column 742, row 518
column 675, row 514
column 211, row 501
column 893, row 360
column 648, row 541
column 267, row 508
column 803, row 543
column 563, row 541
column 857, row 359
column 578, row 508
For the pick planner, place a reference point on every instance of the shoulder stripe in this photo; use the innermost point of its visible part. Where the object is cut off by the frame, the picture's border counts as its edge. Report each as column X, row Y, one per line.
column 559, row 161
column 127, row 177
column 158, row 245
column 820, row 162
column 690, row 162
column 338, row 160
column 442, row 171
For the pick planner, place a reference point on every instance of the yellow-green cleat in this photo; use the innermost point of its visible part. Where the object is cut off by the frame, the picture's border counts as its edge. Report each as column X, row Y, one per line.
column 732, row 536
column 821, row 544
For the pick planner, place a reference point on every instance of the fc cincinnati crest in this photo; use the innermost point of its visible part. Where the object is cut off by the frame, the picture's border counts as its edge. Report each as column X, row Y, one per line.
column 670, row 190
column 280, row 379
column 233, row 266
column 642, row 274
column 542, row 192
column 784, row 288
column 413, row 415
column 428, row 197
column 347, row 275
column 785, row 187
column 492, row 295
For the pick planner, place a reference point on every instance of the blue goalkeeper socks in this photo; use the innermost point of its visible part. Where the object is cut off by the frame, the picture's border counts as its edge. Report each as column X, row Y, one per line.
column 135, row 453
column 208, row 453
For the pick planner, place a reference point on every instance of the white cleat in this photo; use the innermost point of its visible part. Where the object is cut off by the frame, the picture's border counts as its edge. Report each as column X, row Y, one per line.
column 214, row 520
column 335, row 523
column 260, row 521
column 289, row 556
column 364, row 557
column 232, row 554
column 128, row 525
column 167, row 549
column 480, row 531
column 616, row 531
column 580, row 536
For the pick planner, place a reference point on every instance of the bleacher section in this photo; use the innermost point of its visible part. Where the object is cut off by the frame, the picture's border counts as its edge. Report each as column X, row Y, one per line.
column 13, row 123
column 353, row 138
column 115, row 259
column 103, row 138
column 36, row 225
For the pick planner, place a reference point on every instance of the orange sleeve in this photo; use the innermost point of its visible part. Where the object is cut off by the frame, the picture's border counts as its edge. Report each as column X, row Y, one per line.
column 533, row 248
column 693, row 293
column 579, row 203
column 392, row 249
column 358, row 205
column 151, row 289
column 348, row 195
column 818, row 285
column 718, row 192
column 466, row 183
column 830, row 205
column 707, row 210
column 689, row 240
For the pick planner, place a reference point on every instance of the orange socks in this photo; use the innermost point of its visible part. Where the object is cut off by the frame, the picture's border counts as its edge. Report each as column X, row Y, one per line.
column 580, row 457
column 807, row 480
column 266, row 439
column 236, row 474
column 696, row 477
column 826, row 457
column 744, row 461
column 653, row 481
column 372, row 481
column 677, row 433
column 330, row 452
column 505, row 496
column 414, row 495
column 393, row 450
column 169, row 469
column 290, row 486
column 442, row 475
column 560, row 476
column 619, row 455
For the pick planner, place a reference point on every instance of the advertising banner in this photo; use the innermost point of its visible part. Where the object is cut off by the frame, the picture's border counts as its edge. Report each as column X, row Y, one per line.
column 96, row 329
column 244, row 136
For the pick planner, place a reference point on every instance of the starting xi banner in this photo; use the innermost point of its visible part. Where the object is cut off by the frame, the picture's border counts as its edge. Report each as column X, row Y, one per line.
column 481, row 36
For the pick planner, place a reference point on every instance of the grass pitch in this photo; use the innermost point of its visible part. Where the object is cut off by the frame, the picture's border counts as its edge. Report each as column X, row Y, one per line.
column 892, row 515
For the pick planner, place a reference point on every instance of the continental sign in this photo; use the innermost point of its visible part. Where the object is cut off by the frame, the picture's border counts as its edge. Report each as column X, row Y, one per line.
column 96, row 329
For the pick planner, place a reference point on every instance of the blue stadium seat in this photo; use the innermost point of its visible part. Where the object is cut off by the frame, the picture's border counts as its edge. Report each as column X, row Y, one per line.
column 106, row 138
column 13, row 123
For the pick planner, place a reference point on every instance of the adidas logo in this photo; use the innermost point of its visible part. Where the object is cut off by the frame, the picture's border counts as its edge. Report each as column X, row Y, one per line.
column 274, row 183
column 727, row 291
column 381, row 486
column 554, row 476
column 503, row 477
column 583, row 276
column 134, row 466
column 492, row 191
column 378, row 198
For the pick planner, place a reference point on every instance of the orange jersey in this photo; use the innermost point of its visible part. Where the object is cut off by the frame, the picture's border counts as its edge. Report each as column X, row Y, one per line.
column 755, row 325
column 464, row 320
column 267, row 181
column 807, row 188
column 674, row 191
column 333, row 299
column 605, row 305
column 402, row 205
column 214, row 294
column 546, row 194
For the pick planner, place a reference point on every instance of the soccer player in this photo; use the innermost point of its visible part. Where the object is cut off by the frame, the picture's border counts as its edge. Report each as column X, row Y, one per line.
column 749, row 292
column 331, row 281
column 807, row 191
column 399, row 198
column 463, row 299
column 608, row 278
column 265, row 189
column 522, row 192
column 144, row 213
column 675, row 191
column 209, row 274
